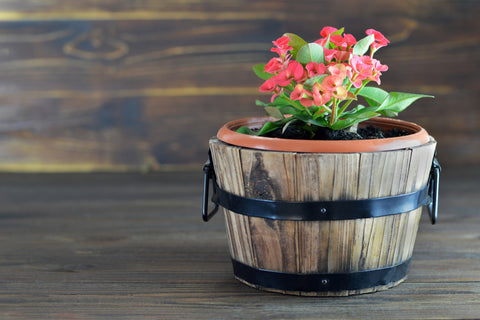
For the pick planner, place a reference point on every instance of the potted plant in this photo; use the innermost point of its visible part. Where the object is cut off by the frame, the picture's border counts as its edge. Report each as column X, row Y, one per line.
column 324, row 195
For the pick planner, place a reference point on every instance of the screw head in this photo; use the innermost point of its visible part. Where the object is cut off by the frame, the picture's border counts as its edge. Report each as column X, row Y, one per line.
column 323, row 210
column 324, row 281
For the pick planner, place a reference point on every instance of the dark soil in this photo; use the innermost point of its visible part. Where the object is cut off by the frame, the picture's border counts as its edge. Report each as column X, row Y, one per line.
column 368, row 132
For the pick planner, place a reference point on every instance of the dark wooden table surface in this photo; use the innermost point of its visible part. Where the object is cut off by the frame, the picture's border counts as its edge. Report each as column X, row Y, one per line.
column 133, row 246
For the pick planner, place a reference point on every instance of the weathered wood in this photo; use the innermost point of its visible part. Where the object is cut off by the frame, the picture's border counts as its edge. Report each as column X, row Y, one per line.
column 141, row 10
column 330, row 246
column 133, row 246
column 112, row 85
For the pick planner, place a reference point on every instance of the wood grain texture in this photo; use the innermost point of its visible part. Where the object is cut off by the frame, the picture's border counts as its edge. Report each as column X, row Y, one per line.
column 341, row 246
column 113, row 85
column 133, row 246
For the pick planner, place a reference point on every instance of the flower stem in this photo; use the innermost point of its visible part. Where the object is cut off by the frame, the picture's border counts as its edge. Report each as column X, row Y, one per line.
column 295, row 105
column 333, row 115
column 362, row 86
column 321, row 110
column 346, row 104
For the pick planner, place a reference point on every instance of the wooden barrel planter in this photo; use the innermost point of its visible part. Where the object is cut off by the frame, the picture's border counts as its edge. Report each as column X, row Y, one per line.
column 321, row 224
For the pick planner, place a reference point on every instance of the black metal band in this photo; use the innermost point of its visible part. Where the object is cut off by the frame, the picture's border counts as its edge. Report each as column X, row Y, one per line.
column 320, row 282
column 321, row 210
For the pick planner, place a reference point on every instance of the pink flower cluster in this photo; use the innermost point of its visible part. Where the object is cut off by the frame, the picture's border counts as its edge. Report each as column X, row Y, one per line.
column 317, row 83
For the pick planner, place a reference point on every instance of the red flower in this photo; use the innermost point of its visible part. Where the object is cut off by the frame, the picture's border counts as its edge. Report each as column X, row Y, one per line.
column 321, row 95
column 319, row 88
column 269, row 86
column 302, row 95
column 330, row 83
column 337, row 55
column 364, row 67
column 326, row 31
column 315, row 69
column 377, row 68
column 281, row 46
column 340, row 93
column 294, row 71
column 274, row 65
column 282, row 42
column 339, row 70
column 349, row 40
column 380, row 40
column 343, row 42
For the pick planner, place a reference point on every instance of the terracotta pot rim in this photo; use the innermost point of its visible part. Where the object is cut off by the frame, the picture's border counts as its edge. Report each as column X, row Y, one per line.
column 418, row 136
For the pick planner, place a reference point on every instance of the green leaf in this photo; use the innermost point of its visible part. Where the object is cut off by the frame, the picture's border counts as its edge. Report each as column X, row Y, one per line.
column 287, row 124
column 321, row 122
column 342, row 124
column 296, row 42
column 246, row 130
column 269, row 126
column 274, row 112
column 259, row 70
column 289, row 110
column 359, row 114
column 305, row 117
column 373, row 95
column 284, row 101
column 362, row 46
column 360, row 111
column 311, row 52
column 399, row 101
column 388, row 113
column 372, row 103
column 338, row 32
column 348, row 122
column 281, row 101
column 261, row 103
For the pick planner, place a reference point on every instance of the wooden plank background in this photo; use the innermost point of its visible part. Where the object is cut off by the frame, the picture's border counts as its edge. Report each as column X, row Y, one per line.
column 142, row 85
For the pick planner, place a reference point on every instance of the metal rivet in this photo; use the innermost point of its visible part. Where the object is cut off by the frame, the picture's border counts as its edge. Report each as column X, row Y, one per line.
column 324, row 281
column 323, row 210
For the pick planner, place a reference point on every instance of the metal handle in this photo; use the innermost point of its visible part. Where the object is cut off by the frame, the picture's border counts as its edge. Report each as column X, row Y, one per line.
column 433, row 187
column 209, row 175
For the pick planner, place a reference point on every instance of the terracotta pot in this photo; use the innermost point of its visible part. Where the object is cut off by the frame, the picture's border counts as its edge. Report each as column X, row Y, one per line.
column 229, row 135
